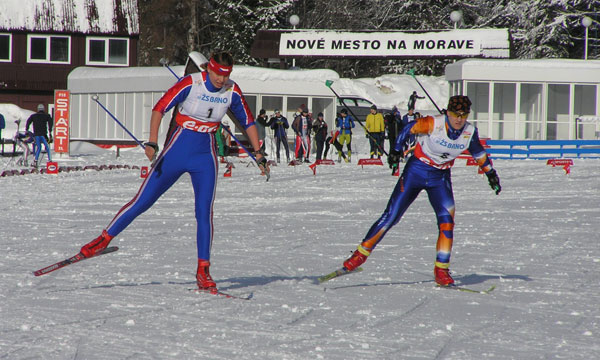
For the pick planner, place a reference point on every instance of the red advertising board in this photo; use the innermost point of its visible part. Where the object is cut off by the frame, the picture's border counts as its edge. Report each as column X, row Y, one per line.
column 61, row 121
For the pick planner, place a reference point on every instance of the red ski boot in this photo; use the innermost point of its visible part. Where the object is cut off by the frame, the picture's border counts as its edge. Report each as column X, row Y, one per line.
column 442, row 276
column 357, row 259
column 203, row 278
column 97, row 245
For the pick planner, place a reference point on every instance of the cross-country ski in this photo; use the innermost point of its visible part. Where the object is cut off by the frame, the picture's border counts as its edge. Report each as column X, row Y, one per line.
column 72, row 260
column 468, row 290
column 337, row 273
column 223, row 294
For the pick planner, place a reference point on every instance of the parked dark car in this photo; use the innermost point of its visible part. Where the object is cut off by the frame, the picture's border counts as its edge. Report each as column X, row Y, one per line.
column 359, row 106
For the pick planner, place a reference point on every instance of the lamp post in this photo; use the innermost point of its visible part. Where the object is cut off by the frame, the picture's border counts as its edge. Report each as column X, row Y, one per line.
column 294, row 20
column 586, row 22
column 455, row 17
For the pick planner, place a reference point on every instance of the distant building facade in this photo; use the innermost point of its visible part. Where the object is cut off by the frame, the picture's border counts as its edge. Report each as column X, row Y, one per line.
column 130, row 94
column 41, row 41
column 536, row 99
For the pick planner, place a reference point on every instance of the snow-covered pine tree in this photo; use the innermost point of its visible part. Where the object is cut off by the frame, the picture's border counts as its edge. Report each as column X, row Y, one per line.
column 540, row 28
column 235, row 23
column 545, row 29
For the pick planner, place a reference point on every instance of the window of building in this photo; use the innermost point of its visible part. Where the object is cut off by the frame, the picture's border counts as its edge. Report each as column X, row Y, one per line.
column 584, row 104
column 270, row 103
column 530, row 105
column 5, row 47
column 479, row 94
column 504, row 111
column 557, row 127
column 107, row 51
column 48, row 49
column 327, row 107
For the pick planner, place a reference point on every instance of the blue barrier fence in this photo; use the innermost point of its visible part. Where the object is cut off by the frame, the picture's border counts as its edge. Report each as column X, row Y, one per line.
column 543, row 149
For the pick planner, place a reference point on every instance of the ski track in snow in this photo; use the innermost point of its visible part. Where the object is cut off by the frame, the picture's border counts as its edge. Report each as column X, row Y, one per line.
column 536, row 241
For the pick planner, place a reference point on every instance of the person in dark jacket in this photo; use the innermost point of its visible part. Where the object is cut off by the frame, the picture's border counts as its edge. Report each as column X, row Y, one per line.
column 261, row 124
column 412, row 100
column 393, row 125
column 320, row 130
column 280, row 124
column 2, row 125
column 42, row 127
column 302, row 125
column 411, row 142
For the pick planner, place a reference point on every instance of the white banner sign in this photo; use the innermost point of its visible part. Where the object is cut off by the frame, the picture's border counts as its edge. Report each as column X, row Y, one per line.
column 467, row 43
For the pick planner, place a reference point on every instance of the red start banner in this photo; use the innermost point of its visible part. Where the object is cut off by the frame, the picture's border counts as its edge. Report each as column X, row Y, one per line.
column 61, row 121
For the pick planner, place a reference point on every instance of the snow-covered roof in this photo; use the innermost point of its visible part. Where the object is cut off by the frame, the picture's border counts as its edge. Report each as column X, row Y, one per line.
column 530, row 70
column 128, row 79
column 74, row 16
column 252, row 80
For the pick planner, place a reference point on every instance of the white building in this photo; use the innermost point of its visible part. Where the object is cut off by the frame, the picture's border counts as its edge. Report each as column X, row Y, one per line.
column 529, row 99
column 130, row 93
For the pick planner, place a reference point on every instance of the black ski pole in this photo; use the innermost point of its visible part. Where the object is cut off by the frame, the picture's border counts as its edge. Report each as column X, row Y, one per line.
column 328, row 83
column 411, row 72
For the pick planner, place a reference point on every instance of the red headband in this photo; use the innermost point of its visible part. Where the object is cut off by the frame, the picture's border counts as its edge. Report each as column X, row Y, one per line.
column 218, row 68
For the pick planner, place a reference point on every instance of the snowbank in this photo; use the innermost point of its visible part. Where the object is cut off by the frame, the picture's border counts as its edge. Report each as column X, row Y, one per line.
column 11, row 114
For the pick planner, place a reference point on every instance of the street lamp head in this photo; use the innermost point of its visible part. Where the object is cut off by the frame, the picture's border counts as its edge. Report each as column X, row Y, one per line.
column 456, row 16
column 294, row 20
column 586, row 21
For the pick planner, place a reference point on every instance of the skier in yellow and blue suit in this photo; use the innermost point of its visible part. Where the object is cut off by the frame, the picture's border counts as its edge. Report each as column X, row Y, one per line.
column 440, row 140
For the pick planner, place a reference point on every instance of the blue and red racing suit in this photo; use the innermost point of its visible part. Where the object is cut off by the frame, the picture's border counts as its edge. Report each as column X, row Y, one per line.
column 192, row 149
column 438, row 144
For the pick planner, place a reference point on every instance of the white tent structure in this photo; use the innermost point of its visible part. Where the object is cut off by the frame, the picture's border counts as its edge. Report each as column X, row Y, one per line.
column 130, row 93
column 529, row 99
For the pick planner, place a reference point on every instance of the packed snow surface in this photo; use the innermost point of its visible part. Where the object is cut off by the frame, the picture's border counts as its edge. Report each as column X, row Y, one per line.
column 537, row 242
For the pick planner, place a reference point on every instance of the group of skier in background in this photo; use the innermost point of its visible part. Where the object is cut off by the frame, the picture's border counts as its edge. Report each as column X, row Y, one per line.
column 379, row 127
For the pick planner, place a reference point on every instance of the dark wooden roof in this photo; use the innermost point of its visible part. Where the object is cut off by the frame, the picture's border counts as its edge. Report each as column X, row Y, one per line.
column 115, row 17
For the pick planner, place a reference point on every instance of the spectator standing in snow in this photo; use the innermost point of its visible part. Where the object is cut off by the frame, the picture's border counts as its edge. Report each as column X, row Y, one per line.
column 344, row 123
column 442, row 139
column 261, row 124
column 302, row 125
column 411, row 141
column 376, row 128
column 393, row 124
column 203, row 98
column 409, row 116
column 42, row 126
column 412, row 100
column 299, row 110
column 2, row 126
column 320, row 130
column 279, row 124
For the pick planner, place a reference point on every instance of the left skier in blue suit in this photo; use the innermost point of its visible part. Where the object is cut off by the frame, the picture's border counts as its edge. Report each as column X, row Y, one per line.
column 203, row 98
